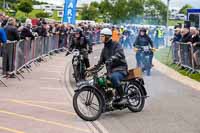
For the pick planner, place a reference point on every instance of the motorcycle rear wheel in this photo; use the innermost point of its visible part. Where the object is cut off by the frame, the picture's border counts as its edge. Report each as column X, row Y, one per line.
column 136, row 99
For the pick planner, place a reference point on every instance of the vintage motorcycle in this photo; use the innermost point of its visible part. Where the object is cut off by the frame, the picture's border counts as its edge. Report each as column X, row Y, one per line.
column 78, row 64
column 97, row 96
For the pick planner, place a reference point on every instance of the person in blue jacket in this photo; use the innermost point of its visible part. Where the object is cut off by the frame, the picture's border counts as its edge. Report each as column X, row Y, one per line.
column 3, row 37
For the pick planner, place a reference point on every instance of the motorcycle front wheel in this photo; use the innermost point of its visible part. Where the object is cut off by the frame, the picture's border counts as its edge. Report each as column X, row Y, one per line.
column 88, row 104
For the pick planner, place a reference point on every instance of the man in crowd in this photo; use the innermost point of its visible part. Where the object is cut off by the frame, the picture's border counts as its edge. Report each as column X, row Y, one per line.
column 8, row 52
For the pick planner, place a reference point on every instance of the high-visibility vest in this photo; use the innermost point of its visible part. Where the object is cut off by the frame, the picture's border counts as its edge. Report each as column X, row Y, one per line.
column 160, row 33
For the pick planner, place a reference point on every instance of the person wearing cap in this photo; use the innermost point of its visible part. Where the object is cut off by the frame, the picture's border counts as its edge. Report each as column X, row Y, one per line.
column 113, row 57
column 177, row 34
column 177, row 37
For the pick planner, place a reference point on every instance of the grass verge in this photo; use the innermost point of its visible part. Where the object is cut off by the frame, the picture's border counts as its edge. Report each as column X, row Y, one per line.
column 165, row 57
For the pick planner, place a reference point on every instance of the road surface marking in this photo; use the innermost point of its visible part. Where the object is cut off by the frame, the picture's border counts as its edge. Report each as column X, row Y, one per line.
column 47, row 78
column 43, row 107
column 49, row 88
column 38, row 102
column 10, row 130
column 44, row 121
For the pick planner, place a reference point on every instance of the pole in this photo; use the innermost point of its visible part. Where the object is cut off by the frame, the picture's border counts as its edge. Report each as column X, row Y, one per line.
column 167, row 23
column 4, row 4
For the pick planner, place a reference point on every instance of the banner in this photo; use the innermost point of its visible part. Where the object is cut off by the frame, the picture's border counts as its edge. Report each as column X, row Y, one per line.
column 69, row 15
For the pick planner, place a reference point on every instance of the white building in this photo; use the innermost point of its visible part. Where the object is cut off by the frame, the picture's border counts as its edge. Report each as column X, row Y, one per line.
column 48, row 7
column 174, row 14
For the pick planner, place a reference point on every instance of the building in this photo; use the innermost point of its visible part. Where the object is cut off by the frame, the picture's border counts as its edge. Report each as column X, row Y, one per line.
column 174, row 14
column 193, row 15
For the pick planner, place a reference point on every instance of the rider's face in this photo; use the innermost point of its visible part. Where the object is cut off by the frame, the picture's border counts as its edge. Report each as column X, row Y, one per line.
column 142, row 33
column 77, row 35
column 103, row 38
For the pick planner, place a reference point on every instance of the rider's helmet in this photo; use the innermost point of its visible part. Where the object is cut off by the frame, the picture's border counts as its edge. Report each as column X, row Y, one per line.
column 106, row 32
column 143, row 30
column 78, row 30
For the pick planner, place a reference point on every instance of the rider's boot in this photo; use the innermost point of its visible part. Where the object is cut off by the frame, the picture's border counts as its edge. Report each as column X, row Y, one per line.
column 121, row 100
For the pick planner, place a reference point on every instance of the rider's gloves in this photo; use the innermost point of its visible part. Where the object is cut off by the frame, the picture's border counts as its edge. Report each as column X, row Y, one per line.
column 90, row 51
column 67, row 53
column 109, row 61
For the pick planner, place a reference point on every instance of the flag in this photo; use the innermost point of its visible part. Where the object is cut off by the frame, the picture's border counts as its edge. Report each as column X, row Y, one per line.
column 69, row 15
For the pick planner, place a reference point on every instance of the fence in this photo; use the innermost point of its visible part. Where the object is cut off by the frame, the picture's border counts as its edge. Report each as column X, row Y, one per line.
column 18, row 55
column 186, row 55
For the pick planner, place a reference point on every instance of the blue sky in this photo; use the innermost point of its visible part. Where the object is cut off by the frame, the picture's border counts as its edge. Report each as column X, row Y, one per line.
column 173, row 3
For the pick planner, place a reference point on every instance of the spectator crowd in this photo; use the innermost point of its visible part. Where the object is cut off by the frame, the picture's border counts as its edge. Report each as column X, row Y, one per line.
column 12, row 30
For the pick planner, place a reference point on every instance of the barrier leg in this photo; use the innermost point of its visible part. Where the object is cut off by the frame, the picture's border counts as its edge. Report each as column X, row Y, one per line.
column 26, row 67
column 3, row 83
column 20, row 74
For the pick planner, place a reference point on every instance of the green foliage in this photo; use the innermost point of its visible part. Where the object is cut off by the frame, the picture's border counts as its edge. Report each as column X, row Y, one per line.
column 119, row 11
column 35, row 2
column 25, row 6
column 42, row 15
column 156, row 9
column 183, row 10
column 89, row 12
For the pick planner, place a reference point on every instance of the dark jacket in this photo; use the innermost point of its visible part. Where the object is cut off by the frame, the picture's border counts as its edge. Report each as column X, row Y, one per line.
column 79, row 43
column 26, row 32
column 186, row 38
column 41, row 31
column 143, row 41
column 195, row 39
column 114, row 52
column 12, row 33
column 177, row 38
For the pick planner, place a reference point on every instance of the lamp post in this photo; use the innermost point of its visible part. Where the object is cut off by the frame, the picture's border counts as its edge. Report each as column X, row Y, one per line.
column 167, row 22
column 4, row 4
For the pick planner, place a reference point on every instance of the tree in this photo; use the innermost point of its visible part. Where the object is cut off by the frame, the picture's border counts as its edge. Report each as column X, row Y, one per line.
column 156, row 9
column 183, row 10
column 42, row 15
column 25, row 6
column 136, row 7
column 89, row 13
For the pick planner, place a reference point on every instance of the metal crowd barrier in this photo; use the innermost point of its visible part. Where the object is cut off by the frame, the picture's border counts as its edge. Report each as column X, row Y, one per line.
column 186, row 55
column 18, row 55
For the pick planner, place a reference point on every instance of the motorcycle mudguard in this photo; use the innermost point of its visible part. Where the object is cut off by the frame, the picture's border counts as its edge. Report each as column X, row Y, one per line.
column 96, row 89
column 141, row 84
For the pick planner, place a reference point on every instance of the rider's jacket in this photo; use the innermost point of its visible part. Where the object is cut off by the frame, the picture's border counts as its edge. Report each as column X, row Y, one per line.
column 114, row 53
column 143, row 41
column 80, row 43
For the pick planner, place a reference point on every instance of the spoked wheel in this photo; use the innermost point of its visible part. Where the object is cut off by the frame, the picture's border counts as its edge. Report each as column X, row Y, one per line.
column 88, row 104
column 135, row 98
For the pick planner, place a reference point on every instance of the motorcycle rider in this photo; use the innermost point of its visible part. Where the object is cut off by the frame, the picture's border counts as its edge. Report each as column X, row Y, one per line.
column 143, row 40
column 113, row 56
column 80, row 42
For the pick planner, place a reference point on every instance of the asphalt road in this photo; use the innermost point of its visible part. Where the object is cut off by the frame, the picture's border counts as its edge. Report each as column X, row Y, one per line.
column 171, row 108
column 40, row 103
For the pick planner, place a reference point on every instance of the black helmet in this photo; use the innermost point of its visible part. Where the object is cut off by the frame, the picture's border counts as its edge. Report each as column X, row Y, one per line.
column 143, row 30
column 78, row 30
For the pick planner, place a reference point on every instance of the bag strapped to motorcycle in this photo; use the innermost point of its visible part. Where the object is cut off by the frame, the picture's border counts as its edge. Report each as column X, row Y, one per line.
column 134, row 73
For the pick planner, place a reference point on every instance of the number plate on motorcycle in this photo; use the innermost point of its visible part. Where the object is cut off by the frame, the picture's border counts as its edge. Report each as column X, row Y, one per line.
column 146, row 48
column 76, row 53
